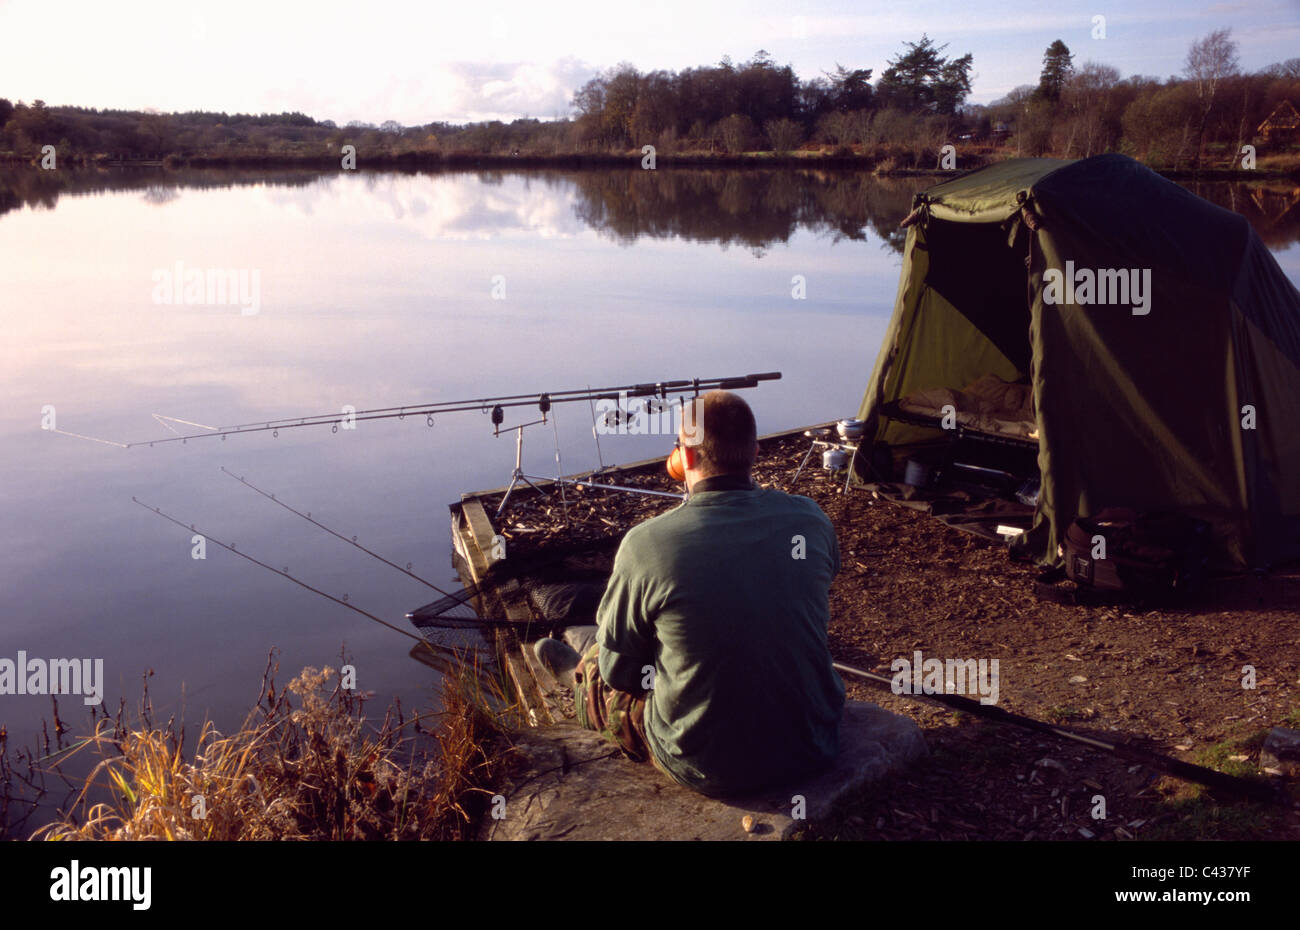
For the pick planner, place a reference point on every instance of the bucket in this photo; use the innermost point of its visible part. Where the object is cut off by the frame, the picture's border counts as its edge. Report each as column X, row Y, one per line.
column 835, row 459
column 917, row 473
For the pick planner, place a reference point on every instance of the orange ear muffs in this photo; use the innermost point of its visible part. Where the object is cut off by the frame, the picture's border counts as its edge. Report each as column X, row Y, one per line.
column 677, row 465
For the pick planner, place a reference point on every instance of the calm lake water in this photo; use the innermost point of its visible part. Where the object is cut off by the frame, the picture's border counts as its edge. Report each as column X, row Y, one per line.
column 376, row 290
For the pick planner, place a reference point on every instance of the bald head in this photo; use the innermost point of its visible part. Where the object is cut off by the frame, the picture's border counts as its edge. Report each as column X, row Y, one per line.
column 719, row 430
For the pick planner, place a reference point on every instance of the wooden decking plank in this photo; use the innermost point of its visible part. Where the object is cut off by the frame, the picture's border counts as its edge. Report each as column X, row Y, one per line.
column 459, row 541
column 522, row 679
column 537, row 680
column 546, row 684
column 527, row 663
column 480, row 528
column 473, row 531
column 466, row 546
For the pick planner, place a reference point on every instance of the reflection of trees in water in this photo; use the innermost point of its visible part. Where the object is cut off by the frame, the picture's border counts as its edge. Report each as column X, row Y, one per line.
column 754, row 209
column 750, row 208
column 1272, row 207
column 758, row 208
column 31, row 187
column 36, row 188
column 158, row 195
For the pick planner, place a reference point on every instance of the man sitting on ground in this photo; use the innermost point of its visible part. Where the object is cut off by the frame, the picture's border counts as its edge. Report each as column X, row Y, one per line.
column 711, row 657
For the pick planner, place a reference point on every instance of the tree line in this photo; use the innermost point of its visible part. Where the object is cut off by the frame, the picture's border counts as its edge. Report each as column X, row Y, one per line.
column 902, row 118
column 1208, row 113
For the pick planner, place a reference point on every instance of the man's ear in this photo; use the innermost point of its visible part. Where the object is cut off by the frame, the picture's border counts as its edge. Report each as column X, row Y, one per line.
column 690, row 457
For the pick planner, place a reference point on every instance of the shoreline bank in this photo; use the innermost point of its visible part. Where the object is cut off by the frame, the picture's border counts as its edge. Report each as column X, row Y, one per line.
column 881, row 166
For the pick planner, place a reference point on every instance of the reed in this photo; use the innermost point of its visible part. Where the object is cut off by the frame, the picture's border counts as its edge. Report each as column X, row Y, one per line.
column 305, row 765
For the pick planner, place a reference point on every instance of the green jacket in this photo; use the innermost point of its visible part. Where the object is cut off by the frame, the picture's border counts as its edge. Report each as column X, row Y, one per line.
column 726, row 598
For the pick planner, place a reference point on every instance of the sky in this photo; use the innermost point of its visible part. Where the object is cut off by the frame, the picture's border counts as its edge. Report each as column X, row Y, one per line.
column 419, row 62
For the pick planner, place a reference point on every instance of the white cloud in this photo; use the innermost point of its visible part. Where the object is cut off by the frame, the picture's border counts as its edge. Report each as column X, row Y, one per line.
column 489, row 90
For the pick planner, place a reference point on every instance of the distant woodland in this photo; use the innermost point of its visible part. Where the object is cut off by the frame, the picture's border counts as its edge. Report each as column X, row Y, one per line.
column 758, row 110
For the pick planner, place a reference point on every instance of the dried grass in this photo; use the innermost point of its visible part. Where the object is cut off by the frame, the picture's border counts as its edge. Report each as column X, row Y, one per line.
column 305, row 765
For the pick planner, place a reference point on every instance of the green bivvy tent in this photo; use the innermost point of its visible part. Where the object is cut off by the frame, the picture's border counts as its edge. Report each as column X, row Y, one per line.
column 1192, row 405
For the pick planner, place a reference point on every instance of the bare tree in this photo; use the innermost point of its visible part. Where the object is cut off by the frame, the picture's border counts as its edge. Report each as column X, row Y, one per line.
column 784, row 135
column 1283, row 69
column 737, row 131
column 837, row 128
column 1209, row 62
column 1090, row 122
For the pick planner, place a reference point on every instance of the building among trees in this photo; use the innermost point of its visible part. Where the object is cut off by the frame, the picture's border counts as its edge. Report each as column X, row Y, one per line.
column 1282, row 126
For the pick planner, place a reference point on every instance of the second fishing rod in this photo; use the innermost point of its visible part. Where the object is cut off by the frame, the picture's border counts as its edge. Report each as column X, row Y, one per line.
column 496, row 406
column 443, row 619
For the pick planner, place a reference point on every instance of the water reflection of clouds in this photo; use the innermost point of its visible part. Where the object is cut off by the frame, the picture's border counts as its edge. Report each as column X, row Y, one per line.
column 444, row 206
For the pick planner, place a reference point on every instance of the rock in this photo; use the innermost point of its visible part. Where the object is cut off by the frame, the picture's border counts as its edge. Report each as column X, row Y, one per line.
column 1281, row 750
column 573, row 785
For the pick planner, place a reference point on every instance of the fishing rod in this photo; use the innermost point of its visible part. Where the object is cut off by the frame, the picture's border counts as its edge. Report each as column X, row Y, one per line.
column 641, row 389
column 495, row 405
column 424, row 619
column 1257, row 791
column 353, row 541
column 284, row 573
column 578, row 483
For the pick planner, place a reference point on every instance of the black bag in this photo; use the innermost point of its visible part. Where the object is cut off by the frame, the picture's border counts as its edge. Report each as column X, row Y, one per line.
column 1148, row 554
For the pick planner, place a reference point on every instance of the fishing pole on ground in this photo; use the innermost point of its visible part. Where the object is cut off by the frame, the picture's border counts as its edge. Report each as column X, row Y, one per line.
column 1257, row 791
column 495, row 405
column 353, row 541
column 283, row 573
column 423, row 619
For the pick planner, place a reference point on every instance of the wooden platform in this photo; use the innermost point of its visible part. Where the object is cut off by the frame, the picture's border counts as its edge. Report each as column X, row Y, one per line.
column 472, row 534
